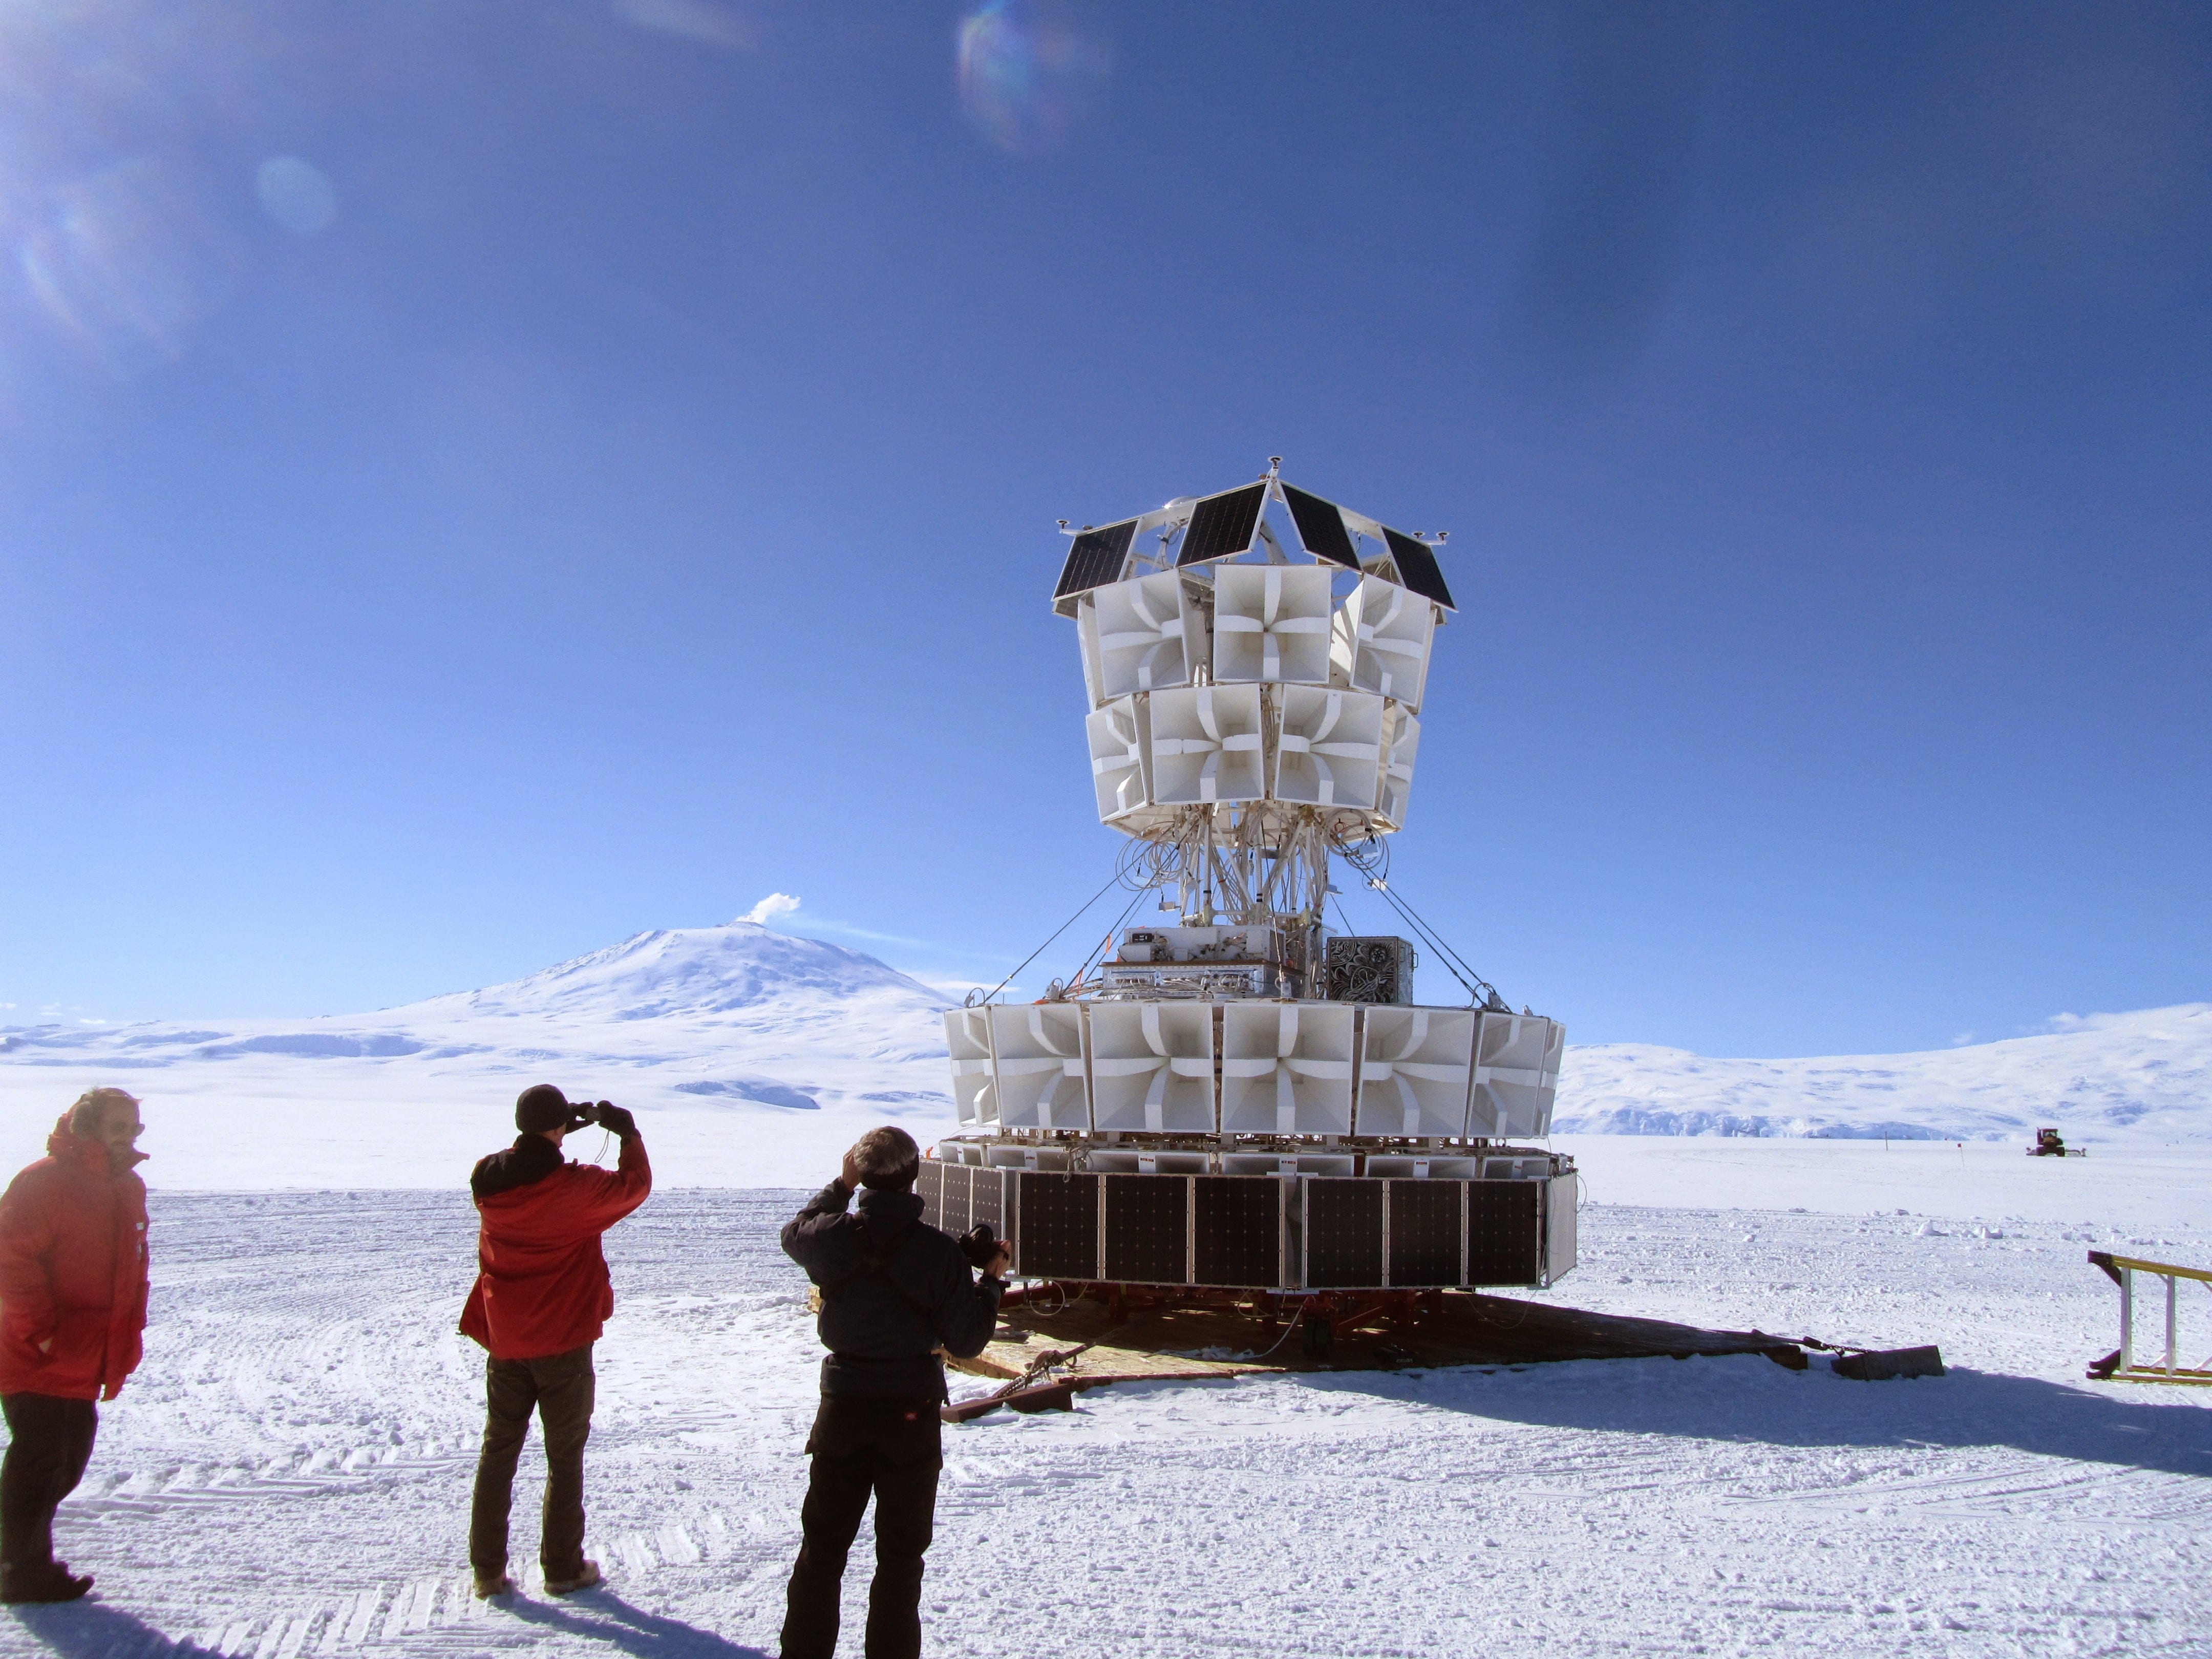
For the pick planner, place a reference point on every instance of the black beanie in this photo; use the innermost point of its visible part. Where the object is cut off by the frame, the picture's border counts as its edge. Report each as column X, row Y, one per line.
column 541, row 1107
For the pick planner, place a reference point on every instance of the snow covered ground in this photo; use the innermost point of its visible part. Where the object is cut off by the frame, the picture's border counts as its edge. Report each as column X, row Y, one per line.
column 288, row 1473
column 754, row 1057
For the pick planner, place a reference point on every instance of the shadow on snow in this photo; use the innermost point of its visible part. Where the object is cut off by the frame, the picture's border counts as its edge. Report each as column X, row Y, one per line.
column 100, row 1630
column 1748, row 1398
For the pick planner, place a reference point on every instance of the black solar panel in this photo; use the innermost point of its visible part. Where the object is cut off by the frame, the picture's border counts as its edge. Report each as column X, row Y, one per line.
column 1321, row 527
column 929, row 1186
column 987, row 1199
column 1424, row 1232
column 1147, row 1221
column 1344, row 1233
column 1417, row 565
column 1058, row 1218
column 1504, row 1232
column 1240, row 1231
column 1096, row 559
column 1222, row 525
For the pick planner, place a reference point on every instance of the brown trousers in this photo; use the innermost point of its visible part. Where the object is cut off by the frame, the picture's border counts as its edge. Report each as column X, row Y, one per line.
column 561, row 1387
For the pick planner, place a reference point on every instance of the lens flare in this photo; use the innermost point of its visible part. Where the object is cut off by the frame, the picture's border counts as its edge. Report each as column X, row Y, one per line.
column 125, row 263
column 1027, row 75
column 296, row 194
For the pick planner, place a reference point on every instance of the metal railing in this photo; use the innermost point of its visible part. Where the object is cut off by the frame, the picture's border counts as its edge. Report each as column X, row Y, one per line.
column 2119, row 1365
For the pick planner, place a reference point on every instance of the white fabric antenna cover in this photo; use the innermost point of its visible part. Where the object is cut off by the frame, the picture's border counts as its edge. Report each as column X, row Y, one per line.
column 1119, row 772
column 1415, row 1068
column 1271, row 622
column 1151, row 1067
column 967, row 1039
column 1149, row 635
column 1401, row 743
column 1206, row 745
column 1517, row 1075
column 1039, row 1046
column 1381, row 641
column 1286, row 1069
column 1328, row 748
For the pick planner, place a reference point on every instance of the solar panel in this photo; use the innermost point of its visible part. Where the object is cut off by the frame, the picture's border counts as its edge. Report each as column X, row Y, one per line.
column 1344, row 1234
column 1096, row 558
column 1321, row 527
column 1417, row 566
column 1057, row 1216
column 987, row 1199
column 1426, row 1230
column 1504, row 1232
column 1147, row 1229
column 1239, row 1224
column 1221, row 525
column 929, row 1186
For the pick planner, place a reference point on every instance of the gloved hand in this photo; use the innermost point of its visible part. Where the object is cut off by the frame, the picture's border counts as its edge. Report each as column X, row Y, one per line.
column 616, row 1120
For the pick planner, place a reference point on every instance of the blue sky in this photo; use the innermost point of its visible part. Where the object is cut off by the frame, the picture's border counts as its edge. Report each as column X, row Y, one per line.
column 479, row 480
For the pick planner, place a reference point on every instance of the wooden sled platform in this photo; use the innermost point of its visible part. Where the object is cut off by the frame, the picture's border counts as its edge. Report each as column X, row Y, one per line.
column 1452, row 1328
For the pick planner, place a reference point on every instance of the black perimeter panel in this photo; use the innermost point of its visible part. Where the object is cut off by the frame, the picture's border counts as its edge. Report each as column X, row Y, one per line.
column 1504, row 1241
column 956, row 1198
column 929, row 1186
column 1240, row 1231
column 1147, row 1221
column 1424, row 1232
column 1096, row 559
column 1417, row 565
column 987, row 1199
column 1321, row 527
column 1222, row 524
column 1058, row 1215
column 1344, row 1233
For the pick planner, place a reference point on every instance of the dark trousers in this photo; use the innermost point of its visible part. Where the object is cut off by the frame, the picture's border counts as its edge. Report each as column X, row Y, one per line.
column 49, row 1443
column 561, row 1387
column 890, row 1448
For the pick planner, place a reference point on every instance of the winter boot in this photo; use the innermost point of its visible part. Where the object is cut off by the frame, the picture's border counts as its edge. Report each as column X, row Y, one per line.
column 582, row 1581
column 487, row 1585
column 43, row 1581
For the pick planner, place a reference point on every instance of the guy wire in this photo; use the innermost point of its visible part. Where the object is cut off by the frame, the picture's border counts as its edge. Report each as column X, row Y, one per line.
column 1111, row 932
column 1445, row 948
column 1055, row 935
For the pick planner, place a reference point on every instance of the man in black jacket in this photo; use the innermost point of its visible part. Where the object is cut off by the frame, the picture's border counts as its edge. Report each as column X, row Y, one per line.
column 894, row 1291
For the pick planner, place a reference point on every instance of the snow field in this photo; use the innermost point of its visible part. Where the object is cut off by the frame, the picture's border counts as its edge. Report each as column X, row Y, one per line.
column 289, row 1472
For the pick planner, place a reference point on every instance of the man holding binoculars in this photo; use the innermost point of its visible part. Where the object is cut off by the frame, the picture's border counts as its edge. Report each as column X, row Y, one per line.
column 541, row 1299
column 896, row 1292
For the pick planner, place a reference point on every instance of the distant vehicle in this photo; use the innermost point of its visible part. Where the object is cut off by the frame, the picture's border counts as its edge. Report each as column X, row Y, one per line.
column 2048, row 1144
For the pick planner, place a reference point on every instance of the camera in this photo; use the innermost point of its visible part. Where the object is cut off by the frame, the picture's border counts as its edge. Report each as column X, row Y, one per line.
column 980, row 1245
column 584, row 1112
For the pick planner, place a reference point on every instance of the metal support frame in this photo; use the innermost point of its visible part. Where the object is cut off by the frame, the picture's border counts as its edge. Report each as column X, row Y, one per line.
column 2119, row 1365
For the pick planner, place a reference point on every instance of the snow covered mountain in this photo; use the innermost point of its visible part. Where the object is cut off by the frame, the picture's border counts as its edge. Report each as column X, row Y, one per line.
column 756, row 1057
column 2141, row 1078
column 757, row 1054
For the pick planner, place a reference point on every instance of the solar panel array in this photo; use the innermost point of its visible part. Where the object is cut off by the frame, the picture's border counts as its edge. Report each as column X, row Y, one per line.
column 1321, row 527
column 1417, row 565
column 1222, row 526
column 1096, row 559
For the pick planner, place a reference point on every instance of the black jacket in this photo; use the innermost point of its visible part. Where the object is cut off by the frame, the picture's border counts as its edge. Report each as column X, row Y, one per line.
column 893, row 1289
column 530, row 1160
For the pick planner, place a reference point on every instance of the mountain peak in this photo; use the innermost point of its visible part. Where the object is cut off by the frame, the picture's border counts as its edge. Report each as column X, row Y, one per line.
column 740, row 965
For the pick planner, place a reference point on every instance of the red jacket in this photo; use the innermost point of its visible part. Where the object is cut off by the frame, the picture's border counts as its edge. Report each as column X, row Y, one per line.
column 72, row 1273
column 542, row 1284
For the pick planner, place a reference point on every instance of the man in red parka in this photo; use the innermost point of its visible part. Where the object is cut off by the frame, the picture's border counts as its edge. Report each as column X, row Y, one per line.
column 72, row 1308
column 541, row 1299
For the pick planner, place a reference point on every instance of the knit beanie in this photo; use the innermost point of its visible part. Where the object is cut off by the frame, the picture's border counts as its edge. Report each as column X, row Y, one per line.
column 541, row 1107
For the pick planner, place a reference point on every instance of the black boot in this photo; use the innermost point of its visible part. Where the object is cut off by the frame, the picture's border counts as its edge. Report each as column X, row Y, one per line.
column 44, row 1581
